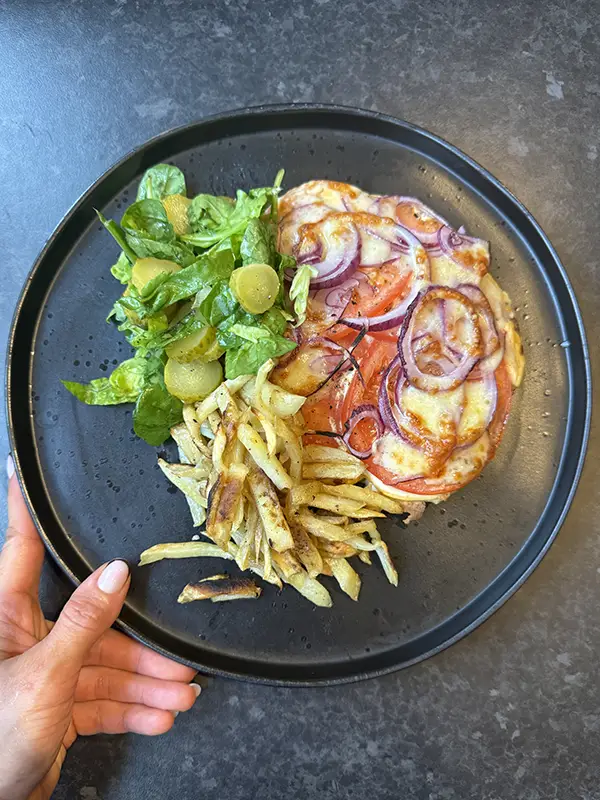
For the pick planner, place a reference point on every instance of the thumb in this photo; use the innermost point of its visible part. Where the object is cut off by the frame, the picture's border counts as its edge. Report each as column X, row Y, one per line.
column 91, row 610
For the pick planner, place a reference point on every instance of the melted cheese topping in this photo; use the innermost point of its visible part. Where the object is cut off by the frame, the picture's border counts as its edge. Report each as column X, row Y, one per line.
column 444, row 434
column 400, row 458
column 477, row 412
column 446, row 272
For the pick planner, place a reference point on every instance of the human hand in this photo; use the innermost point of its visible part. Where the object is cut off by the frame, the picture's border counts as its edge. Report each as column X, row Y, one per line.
column 76, row 677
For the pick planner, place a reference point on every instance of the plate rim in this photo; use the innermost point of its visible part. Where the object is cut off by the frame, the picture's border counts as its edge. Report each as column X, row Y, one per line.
column 372, row 117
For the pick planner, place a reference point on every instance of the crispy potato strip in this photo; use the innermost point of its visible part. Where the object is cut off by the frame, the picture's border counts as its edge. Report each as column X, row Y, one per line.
column 181, row 550
column 286, row 512
column 220, row 588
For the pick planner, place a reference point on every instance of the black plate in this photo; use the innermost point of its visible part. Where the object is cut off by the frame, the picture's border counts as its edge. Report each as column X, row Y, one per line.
column 95, row 491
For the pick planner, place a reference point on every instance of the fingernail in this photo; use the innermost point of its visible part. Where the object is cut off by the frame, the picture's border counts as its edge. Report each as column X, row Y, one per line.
column 175, row 714
column 10, row 466
column 196, row 688
column 114, row 576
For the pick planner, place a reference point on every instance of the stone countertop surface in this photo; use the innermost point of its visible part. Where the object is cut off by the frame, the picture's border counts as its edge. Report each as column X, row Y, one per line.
column 512, row 711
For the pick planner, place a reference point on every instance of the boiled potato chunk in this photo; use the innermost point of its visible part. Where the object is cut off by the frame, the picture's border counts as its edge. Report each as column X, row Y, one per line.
column 193, row 381
column 145, row 269
column 255, row 286
column 176, row 206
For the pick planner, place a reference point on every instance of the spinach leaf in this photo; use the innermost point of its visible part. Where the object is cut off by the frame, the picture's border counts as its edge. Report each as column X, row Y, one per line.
column 226, row 335
column 218, row 305
column 130, row 301
column 275, row 320
column 208, row 207
column 123, row 385
column 155, row 413
column 143, row 247
column 258, row 244
column 247, row 359
column 122, row 269
column 211, row 268
column 138, row 244
column 148, row 218
column 118, row 235
column 161, row 181
column 209, row 227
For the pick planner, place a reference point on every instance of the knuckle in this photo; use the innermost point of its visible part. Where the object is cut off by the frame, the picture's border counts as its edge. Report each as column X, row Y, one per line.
column 83, row 612
column 102, row 687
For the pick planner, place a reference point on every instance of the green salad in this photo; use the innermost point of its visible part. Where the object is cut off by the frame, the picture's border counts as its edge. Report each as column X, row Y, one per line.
column 204, row 298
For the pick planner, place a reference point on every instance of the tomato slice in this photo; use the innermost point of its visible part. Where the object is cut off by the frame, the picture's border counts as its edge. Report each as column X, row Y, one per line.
column 503, row 404
column 334, row 404
column 330, row 408
column 382, row 290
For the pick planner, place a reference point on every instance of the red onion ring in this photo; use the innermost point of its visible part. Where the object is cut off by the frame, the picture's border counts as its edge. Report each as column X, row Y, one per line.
column 473, row 349
column 290, row 224
column 463, row 250
column 328, row 305
column 342, row 249
column 400, row 208
column 365, row 411
column 419, row 264
column 383, row 398
column 493, row 344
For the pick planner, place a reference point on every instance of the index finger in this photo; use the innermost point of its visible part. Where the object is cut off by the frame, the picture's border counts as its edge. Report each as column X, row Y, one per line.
column 114, row 649
column 22, row 556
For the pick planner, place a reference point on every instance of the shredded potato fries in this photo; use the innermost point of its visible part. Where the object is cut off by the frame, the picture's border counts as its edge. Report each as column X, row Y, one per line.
column 287, row 513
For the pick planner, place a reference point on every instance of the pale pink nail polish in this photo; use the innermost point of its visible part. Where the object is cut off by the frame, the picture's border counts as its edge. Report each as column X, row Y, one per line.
column 114, row 576
column 10, row 466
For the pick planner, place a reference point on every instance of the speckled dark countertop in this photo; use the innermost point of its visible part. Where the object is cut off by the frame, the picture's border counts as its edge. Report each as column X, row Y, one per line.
column 513, row 711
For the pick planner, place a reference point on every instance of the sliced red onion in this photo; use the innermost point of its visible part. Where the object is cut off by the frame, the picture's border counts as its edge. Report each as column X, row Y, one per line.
column 383, row 399
column 411, row 213
column 493, row 344
column 399, row 238
column 471, row 348
column 325, row 363
column 339, row 257
column 466, row 251
column 332, row 364
column 328, row 305
column 290, row 224
column 365, row 411
column 296, row 334
column 415, row 261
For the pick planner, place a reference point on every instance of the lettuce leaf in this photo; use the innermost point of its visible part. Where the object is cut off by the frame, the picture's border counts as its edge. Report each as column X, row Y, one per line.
column 247, row 359
column 122, row 269
column 123, row 385
column 299, row 290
